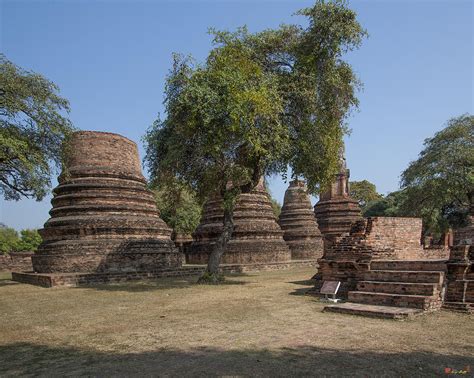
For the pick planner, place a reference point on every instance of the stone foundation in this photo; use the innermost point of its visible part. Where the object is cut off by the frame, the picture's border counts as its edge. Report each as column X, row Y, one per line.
column 20, row 261
column 90, row 279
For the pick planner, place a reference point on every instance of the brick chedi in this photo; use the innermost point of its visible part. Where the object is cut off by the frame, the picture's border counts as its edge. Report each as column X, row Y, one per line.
column 257, row 238
column 336, row 210
column 104, row 219
column 460, row 276
column 299, row 224
column 206, row 233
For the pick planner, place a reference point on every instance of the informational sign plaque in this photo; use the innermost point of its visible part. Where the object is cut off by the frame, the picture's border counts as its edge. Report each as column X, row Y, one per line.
column 330, row 288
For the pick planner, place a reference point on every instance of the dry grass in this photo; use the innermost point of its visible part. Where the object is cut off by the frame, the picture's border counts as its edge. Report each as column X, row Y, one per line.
column 255, row 325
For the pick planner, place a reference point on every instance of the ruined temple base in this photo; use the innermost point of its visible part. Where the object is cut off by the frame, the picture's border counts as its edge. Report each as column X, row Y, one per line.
column 91, row 279
column 373, row 311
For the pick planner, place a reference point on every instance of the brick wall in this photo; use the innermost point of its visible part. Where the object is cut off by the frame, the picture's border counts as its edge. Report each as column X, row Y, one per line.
column 19, row 261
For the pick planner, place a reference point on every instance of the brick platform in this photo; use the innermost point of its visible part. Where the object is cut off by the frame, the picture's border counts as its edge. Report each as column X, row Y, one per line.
column 91, row 279
column 400, row 286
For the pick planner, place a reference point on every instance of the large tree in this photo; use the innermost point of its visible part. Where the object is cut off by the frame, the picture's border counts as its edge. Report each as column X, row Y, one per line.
column 260, row 103
column 439, row 185
column 32, row 130
column 364, row 192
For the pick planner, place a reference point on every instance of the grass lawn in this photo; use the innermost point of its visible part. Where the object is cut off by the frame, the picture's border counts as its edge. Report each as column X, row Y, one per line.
column 255, row 325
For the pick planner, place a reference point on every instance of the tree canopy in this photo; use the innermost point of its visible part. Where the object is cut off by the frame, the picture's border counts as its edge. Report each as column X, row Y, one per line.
column 439, row 185
column 10, row 241
column 364, row 192
column 179, row 207
column 262, row 102
column 32, row 129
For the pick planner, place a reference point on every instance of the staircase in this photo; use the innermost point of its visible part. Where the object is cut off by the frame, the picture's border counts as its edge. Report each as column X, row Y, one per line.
column 396, row 289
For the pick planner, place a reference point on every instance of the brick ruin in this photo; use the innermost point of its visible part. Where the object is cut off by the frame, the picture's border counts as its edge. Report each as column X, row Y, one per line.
column 381, row 263
column 460, row 275
column 257, row 238
column 299, row 224
column 336, row 210
column 103, row 218
column 16, row 261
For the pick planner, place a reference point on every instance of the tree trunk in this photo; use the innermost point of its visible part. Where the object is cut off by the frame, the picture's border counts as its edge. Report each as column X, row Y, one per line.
column 212, row 272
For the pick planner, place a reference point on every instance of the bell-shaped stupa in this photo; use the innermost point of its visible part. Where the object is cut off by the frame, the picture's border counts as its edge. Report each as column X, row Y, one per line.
column 299, row 224
column 104, row 219
column 257, row 238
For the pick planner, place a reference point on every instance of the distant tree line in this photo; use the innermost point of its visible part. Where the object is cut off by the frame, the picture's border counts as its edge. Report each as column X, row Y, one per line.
column 11, row 241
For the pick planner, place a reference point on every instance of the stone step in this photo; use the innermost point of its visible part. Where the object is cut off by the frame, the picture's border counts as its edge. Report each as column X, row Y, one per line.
column 404, row 276
column 411, row 288
column 409, row 265
column 421, row 302
column 386, row 312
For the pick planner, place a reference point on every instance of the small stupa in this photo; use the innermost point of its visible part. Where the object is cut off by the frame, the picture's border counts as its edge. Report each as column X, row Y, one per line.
column 336, row 211
column 299, row 224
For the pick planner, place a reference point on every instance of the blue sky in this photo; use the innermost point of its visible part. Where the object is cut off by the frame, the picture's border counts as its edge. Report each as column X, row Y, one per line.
column 110, row 59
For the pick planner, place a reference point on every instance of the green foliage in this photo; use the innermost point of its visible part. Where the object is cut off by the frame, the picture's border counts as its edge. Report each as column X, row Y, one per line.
column 32, row 130
column 439, row 185
column 29, row 240
column 209, row 278
column 260, row 103
column 276, row 206
column 178, row 206
column 364, row 192
column 388, row 206
column 10, row 241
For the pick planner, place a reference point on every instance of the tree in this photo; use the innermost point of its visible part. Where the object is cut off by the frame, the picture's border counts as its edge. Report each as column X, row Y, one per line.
column 29, row 240
column 439, row 185
column 179, row 207
column 261, row 103
column 8, row 239
column 388, row 206
column 32, row 130
column 364, row 192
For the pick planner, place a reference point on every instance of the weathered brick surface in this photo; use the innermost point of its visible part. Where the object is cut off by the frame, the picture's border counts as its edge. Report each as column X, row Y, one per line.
column 104, row 219
column 257, row 237
column 460, row 276
column 20, row 261
column 299, row 224
column 336, row 210
column 381, row 262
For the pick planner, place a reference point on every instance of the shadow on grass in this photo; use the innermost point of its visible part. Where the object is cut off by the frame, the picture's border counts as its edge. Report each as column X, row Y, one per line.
column 304, row 282
column 158, row 284
column 24, row 359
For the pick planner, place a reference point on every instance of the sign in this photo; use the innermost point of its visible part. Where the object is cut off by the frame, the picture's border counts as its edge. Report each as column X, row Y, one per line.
column 330, row 287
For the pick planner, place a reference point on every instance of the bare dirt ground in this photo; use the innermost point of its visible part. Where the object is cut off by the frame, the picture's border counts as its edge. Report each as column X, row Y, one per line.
column 255, row 325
